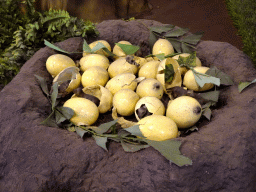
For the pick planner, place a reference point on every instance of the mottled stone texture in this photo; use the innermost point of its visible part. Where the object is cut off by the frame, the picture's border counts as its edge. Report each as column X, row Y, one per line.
column 38, row 158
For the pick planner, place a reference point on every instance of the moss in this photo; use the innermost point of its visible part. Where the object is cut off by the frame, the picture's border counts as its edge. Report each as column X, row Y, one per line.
column 244, row 17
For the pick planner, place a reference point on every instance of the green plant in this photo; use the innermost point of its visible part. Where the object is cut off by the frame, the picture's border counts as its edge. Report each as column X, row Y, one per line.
column 244, row 17
column 24, row 33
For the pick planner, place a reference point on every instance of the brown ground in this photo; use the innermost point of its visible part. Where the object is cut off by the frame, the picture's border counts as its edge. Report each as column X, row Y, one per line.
column 210, row 16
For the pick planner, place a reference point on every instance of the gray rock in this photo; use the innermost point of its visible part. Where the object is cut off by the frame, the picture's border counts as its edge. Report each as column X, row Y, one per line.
column 34, row 157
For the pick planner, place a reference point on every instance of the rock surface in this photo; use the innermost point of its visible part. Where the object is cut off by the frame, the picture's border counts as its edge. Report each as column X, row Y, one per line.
column 34, row 157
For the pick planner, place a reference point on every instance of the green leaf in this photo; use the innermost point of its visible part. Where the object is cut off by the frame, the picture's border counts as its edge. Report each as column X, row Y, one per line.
column 104, row 127
column 97, row 47
column 194, row 38
column 177, row 32
column 80, row 131
column 162, row 29
column 189, row 61
column 243, row 85
column 54, row 94
column 101, row 141
column 128, row 147
column 201, row 79
column 169, row 73
column 135, row 130
column 224, row 78
column 86, row 47
column 186, row 48
column 67, row 112
column 160, row 56
column 170, row 150
column 47, row 43
column 152, row 39
column 211, row 95
column 43, row 84
column 128, row 49
column 50, row 120
column 176, row 44
column 207, row 112
column 59, row 118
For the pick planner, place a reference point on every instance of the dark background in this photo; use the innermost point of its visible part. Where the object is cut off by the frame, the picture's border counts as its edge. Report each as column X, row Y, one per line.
column 210, row 16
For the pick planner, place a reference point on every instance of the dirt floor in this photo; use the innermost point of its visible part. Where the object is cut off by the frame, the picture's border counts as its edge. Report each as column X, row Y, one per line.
column 210, row 16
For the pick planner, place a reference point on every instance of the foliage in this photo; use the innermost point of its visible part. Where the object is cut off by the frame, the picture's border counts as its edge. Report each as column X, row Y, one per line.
column 23, row 34
column 244, row 17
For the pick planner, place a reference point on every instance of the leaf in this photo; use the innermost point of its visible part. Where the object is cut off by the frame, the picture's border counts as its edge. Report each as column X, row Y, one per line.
column 162, row 29
column 128, row 147
column 80, row 131
column 101, row 141
column 194, row 38
column 160, row 56
column 186, row 48
column 224, row 78
column 47, row 43
column 243, row 85
column 43, row 84
column 50, row 120
column 207, row 112
column 169, row 73
column 86, row 47
column 152, row 39
column 128, row 49
column 104, row 127
column 170, row 150
column 201, row 79
column 123, row 133
column 67, row 112
column 189, row 61
column 135, row 130
column 97, row 47
column 177, row 32
column 54, row 94
column 211, row 95
column 176, row 44
column 59, row 118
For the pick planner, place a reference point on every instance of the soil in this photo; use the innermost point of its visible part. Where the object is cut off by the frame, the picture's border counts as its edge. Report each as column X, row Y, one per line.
column 210, row 16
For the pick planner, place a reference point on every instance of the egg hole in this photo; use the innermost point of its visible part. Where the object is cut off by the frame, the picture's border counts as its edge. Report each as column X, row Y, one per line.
column 143, row 111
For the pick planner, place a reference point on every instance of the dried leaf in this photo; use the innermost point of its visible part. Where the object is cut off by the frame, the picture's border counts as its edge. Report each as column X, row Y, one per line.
column 101, row 141
column 243, row 85
column 170, row 150
column 43, row 84
column 129, row 147
column 128, row 49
